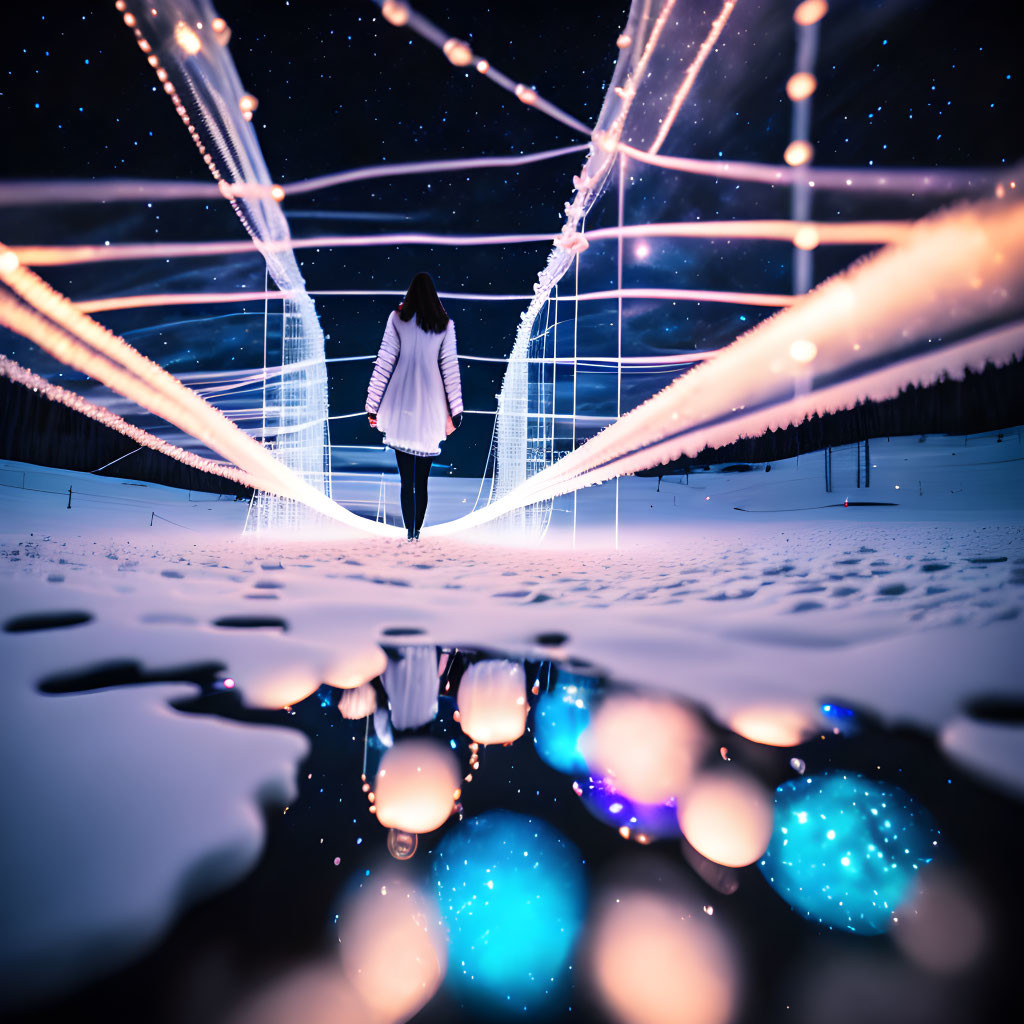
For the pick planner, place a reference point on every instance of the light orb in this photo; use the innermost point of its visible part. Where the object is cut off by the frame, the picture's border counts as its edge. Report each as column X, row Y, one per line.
column 943, row 927
column 526, row 95
column 810, row 12
column 775, row 725
column 492, row 701
column 802, row 351
column 560, row 718
column 798, row 153
column 806, row 237
column 655, row 958
column 642, row 250
column 647, row 748
column 512, row 894
column 727, row 817
column 247, row 102
column 187, row 39
column 630, row 818
column 458, row 52
column 396, row 12
column 846, row 850
column 801, row 86
column 357, row 664
column 392, row 947
column 416, row 785
column 624, row 42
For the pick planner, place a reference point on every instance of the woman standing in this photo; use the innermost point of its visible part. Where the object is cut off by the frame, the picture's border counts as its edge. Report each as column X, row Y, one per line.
column 415, row 393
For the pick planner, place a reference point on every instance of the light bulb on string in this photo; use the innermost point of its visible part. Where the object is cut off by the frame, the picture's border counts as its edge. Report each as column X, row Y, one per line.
column 798, row 153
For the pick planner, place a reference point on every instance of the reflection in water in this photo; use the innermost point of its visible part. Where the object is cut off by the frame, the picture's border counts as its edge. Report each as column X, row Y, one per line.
column 632, row 819
column 777, row 724
column 943, row 925
column 648, row 748
column 656, row 958
column 392, row 947
column 838, row 848
column 357, row 703
column 513, row 898
column 560, row 718
column 846, row 849
column 548, row 931
column 402, row 845
column 492, row 701
column 410, row 682
column 417, row 785
column 727, row 817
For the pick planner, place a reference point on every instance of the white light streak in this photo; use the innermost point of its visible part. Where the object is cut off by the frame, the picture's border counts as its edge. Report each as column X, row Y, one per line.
column 691, row 75
column 847, row 233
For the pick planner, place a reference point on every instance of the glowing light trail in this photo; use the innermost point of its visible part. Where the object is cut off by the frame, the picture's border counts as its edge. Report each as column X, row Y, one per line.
column 323, row 181
column 691, row 75
column 903, row 180
column 958, row 270
column 461, row 55
column 23, row 193
column 51, row 321
column 880, row 232
column 119, row 302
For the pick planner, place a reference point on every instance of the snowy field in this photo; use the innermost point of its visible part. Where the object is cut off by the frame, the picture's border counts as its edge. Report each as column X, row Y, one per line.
column 730, row 589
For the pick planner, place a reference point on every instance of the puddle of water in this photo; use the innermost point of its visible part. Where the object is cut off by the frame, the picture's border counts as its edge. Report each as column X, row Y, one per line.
column 578, row 851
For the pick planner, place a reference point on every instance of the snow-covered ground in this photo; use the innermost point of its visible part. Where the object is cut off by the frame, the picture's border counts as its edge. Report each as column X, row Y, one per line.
column 730, row 589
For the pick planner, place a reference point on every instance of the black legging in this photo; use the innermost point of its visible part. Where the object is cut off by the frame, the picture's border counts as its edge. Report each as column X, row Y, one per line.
column 414, row 471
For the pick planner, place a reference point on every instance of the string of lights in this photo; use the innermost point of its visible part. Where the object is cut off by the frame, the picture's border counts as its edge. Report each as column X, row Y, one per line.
column 460, row 54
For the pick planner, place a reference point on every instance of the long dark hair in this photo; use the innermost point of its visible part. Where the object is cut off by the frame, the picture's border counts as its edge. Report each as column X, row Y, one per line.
column 421, row 299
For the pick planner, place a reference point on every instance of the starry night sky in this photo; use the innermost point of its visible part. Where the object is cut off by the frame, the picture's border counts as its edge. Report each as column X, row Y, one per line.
column 900, row 84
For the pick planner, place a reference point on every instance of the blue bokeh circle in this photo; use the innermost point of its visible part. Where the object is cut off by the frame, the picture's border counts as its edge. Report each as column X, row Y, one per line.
column 845, row 849
column 512, row 895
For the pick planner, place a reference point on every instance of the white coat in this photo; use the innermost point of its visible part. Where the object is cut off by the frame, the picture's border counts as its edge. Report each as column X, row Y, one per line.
column 415, row 386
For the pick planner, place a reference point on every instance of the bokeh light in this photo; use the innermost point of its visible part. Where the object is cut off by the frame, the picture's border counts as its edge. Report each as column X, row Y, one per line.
column 186, row 38
column 356, row 664
column 943, row 927
column 775, row 724
column 416, row 785
column 395, row 11
column 511, row 890
column 632, row 819
column 846, row 850
column 560, row 718
column 802, row 350
column 809, row 12
column 656, row 958
column 727, row 817
column 798, row 153
column 458, row 52
column 646, row 747
column 316, row 993
column 492, row 701
column 392, row 946
column 801, row 85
